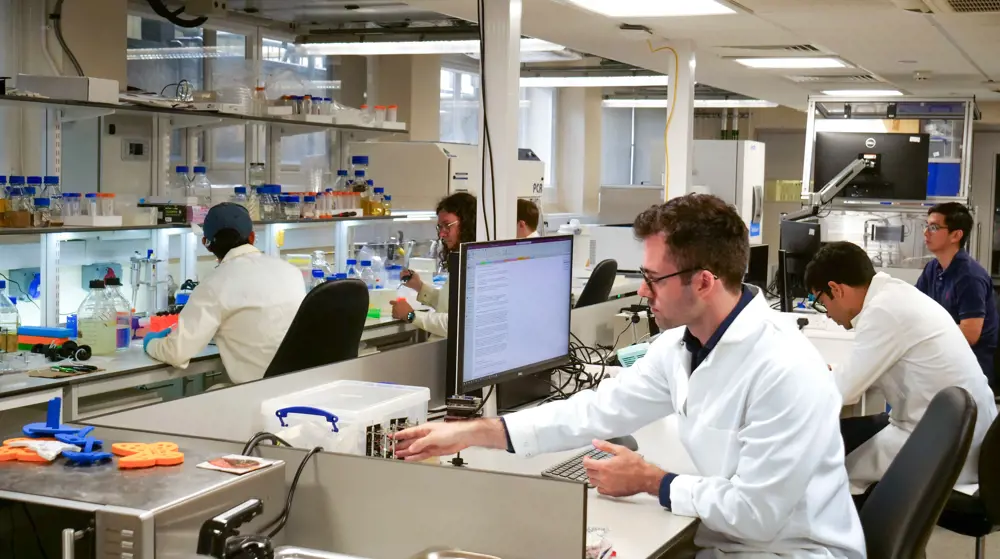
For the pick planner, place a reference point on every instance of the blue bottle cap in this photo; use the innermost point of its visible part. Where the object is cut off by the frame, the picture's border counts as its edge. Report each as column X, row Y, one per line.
column 30, row 191
column 388, row 197
column 3, row 179
column 240, row 190
column 331, row 278
column 359, row 160
column 342, row 173
column 3, row 284
column 351, row 262
column 49, row 179
column 341, row 276
column 181, row 169
column 366, row 263
column 16, row 180
column 71, row 195
column 379, row 190
column 370, row 182
column 200, row 169
column 42, row 202
column 317, row 273
column 359, row 173
column 294, row 199
column 34, row 180
column 90, row 195
column 310, row 198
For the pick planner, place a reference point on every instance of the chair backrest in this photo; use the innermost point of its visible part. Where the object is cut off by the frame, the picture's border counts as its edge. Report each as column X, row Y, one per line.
column 901, row 511
column 989, row 473
column 326, row 329
column 598, row 287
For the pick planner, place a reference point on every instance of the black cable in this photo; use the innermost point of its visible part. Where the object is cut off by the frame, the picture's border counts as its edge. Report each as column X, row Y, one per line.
column 38, row 538
column 262, row 436
column 56, row 17
column 488, row 147
column 283, row 518
column 21, row 289
column 166, row 14
column 483, row 403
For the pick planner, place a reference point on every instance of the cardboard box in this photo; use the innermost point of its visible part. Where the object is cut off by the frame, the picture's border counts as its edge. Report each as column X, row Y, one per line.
column 70, row 87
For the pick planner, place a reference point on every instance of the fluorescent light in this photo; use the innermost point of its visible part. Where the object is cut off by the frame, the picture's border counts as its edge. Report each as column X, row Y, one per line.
column 596, row 81
column 655, row 8
column 180, row 53
column 800, row 62
column 698, row 103
column 863, row 93
column 414, row 47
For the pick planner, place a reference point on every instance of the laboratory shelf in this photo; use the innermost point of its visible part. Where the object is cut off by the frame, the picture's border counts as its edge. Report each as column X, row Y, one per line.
column 184, row 118
column 329, row 220
column 51, row 230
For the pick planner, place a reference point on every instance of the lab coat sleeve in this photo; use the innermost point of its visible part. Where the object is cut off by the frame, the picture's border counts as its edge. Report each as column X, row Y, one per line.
column 197, row 324
column 434, row 322
column 879, row 342
column 430, row 296
column 790, row 423
column 619, row 406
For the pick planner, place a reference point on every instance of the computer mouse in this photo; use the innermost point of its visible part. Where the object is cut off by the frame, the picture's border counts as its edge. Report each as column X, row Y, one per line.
column 628, row 441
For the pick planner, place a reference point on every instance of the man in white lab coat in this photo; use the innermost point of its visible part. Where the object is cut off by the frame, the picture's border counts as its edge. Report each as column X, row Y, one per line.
column 757, row 409
column 247, row 304
column 905, row 345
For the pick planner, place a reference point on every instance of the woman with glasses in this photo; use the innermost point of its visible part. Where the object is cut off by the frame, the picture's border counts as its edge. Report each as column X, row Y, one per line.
column 456, row 225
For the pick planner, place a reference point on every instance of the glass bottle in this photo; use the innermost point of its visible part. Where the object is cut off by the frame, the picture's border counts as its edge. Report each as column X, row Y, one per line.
column 97, row 321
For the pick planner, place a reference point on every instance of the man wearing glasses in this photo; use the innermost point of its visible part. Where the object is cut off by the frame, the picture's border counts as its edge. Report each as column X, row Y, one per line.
column 905, row 345
column 959, row 283
column 757, row 409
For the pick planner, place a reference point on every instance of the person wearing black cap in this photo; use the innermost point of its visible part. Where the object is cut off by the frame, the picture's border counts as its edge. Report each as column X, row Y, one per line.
column 247, row 304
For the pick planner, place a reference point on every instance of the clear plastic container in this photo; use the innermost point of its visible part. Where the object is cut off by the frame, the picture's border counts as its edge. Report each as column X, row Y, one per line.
column 51, row 189
column 390, row 113
column 71, row 204
column 179, row 183
column 340, row 183
column 123, row 313
column 366, row 414
column 367, row 275
column 307, row 105
column 10, row 321
column 258, row 101
column 393, row 273
column 43, row 213
column 352, row 269
column 107, row 200
column 90, row 206
column 359, row 163
column 308, row 207
column 240, row 197
column 379, row 114
column 292, row 206
column 97, row 321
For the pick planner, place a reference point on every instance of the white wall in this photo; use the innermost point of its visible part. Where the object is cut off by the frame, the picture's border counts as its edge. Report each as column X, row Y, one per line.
column 578, row 150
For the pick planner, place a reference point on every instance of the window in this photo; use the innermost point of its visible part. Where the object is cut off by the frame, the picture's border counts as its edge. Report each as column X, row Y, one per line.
column 632, row 149
column 459, row 106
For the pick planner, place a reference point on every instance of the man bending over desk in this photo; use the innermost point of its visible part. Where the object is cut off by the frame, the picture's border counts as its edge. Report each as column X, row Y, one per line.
column 247, row 304
column 757, row 409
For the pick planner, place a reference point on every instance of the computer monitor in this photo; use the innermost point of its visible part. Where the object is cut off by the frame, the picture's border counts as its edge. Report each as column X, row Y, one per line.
column 514, row 309
column 900, row 170
column 756, row 273
column 801, row 241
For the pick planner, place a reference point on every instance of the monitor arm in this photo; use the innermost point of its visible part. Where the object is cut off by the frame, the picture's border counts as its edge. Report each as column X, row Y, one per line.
column 831, row 189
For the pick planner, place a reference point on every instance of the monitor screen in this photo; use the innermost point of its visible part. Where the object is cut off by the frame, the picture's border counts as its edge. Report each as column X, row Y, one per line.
column 900, row 164
column 514, row 309
column 801, row 241
column 756, row 273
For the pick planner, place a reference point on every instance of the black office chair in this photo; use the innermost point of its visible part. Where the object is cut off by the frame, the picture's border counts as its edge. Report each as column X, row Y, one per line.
column 978, row 515
column 598, row 287
column 326, row 329
column 899, row 514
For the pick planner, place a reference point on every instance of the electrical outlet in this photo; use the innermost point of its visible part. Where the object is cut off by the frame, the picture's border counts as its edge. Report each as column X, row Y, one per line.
column 99, row 271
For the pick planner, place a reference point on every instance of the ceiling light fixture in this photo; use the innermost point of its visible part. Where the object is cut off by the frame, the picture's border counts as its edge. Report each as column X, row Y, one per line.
column 413, row 47
column 863, row 93
column 790, row 63
column 655, row 8
column 698, row 103
column 596, row 81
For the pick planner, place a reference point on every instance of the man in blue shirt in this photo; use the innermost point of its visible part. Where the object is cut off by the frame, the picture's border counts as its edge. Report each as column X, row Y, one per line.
column 959, row 283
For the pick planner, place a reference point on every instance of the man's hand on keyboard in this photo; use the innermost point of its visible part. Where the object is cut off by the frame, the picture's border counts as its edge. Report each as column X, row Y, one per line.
column 441, row 439
column 624, row 474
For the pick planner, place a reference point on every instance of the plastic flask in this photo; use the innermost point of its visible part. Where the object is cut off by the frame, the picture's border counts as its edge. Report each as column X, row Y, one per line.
column 317, row 278
column 352, row 269
column 367, row 274
column 97, row 321
column 123, row 313
column 10, row 320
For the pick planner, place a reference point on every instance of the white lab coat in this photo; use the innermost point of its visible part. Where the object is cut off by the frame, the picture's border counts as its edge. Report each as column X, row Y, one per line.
column 909, row 348
column 433, row 321
column 247, row 304
column 534, row 234
column 759, row 418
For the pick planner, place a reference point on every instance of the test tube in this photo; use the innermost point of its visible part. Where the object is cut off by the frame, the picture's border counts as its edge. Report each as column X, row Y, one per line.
column 89, row 207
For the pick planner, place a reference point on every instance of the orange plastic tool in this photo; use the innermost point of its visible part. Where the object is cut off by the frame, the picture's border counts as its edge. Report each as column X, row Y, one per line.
column 142, row 455
column 19, row 454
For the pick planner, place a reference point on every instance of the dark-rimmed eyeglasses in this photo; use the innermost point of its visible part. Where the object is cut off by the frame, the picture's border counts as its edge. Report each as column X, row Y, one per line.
column 650, row 280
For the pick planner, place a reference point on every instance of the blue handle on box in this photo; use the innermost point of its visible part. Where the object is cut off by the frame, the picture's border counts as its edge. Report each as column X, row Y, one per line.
column 307, row 410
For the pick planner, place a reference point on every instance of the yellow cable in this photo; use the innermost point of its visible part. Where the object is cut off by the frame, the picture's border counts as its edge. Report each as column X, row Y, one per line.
column 670, row 116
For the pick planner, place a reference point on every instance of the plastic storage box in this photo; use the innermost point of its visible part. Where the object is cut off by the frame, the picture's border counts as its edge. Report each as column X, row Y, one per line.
column 346, row 416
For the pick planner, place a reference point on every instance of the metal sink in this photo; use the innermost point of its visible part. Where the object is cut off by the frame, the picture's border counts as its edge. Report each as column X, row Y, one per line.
column 450, row 554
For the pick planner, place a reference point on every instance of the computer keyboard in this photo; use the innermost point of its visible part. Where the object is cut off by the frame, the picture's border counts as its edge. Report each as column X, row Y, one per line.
column 573, row 469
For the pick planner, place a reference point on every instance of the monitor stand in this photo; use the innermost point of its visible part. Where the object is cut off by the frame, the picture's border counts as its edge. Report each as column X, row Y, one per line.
column 525, row 390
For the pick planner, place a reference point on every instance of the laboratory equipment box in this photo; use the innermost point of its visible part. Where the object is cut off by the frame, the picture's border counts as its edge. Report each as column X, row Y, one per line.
column 734, row 171
column 102, row 511
column 73, row 88
column 346, row 416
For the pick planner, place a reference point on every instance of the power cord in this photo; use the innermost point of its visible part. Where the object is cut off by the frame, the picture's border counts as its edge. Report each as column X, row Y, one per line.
column 283, row 518
column 482, row 404
column 487, row 141
column 56, row 17
column 262, row 436
column 21, row 290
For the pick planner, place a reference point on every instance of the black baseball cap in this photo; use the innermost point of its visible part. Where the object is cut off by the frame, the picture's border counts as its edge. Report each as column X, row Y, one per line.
column 227, row 215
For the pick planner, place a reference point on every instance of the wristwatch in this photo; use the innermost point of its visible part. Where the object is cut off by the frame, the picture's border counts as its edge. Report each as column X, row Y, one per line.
column 411, row 316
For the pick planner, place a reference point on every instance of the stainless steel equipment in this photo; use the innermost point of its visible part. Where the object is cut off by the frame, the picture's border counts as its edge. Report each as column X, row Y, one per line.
column 102, row 512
